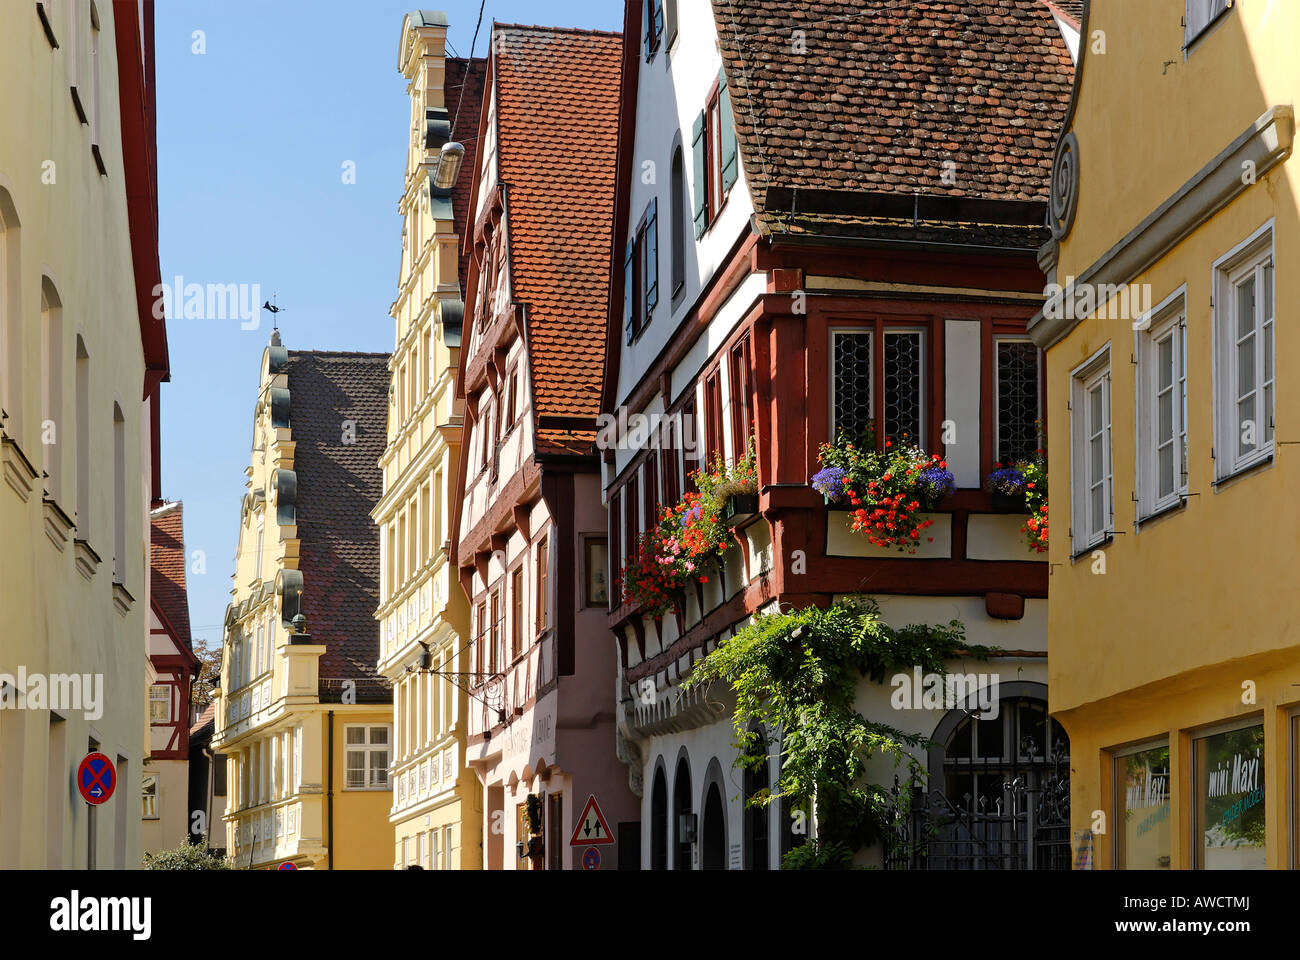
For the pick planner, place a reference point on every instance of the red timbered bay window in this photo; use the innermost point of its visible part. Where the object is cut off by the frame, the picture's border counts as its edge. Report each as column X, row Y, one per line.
column 713, row 416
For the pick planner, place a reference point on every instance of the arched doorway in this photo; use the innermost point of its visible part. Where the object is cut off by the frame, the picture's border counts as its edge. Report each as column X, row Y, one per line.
column 659, row 820
column 757, row 818
column 681, row 807
column 713, row 831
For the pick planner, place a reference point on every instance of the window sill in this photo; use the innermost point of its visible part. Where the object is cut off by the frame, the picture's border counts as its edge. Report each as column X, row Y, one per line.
column 1087, row 551
column 1176, row 507
column 386, row 789
column 1242, row 471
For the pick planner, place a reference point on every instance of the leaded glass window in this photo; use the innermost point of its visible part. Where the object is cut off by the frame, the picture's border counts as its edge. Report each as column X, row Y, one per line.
column 851, row 383
column 904, row 385
column 1017, row 400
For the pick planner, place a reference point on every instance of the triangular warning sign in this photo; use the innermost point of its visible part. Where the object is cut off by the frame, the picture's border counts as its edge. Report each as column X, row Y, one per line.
column 592, row 830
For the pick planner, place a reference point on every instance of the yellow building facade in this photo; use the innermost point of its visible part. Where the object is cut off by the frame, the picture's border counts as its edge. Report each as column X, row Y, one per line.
column 1174, row 458
column 303, row 720
column 423, row 614
column 81, row 359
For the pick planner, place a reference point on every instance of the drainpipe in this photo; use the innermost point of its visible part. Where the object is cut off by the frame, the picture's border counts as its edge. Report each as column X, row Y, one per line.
column 207, row 815
column 329, row 796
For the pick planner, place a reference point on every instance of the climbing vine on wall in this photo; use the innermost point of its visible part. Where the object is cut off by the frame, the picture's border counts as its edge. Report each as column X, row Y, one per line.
column 798, row 672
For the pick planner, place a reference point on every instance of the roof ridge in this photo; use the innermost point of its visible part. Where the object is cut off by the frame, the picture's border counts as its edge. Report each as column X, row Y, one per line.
column 336, row 353
column 539, row 28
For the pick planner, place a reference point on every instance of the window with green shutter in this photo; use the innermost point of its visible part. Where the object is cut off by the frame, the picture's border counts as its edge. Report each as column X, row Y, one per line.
column 730, row 156
column 700, row 185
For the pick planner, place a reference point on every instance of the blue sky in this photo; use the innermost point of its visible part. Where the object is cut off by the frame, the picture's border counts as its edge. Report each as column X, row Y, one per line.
column 253, row 135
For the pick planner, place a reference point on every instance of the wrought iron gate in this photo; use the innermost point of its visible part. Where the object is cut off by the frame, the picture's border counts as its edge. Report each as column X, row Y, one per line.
column 1031, row 833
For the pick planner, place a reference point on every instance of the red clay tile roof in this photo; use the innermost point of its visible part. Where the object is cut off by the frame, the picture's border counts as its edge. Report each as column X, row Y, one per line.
column 557, row 127
column 167, row 568
column 339, row 483
column 463, row 93
column 1071, row 8
column 887, row 93
column 208, row 715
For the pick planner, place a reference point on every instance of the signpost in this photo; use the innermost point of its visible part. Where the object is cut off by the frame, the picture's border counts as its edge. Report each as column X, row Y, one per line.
column 288, row 865
column 96, row 778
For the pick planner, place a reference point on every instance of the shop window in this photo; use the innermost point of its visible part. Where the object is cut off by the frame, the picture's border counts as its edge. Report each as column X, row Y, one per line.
column 1141, row 781
column 1228, row 830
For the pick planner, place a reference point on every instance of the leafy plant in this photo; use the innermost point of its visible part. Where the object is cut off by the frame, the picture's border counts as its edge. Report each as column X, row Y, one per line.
column 798, row 672
column 187, row 856
column 1035, row 528
column 688, row 538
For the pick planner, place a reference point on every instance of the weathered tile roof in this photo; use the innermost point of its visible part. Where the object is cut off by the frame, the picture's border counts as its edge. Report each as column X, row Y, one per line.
column 887, row 94
column 463, row 94
column 338, row 412
column 167, row 568
column 557, row 126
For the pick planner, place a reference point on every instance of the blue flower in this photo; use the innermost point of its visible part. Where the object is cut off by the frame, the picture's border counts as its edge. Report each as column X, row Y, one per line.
column 937, row 483
column 829, row 482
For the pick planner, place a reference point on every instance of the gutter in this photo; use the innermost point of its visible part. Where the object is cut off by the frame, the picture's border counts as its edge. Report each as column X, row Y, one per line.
column 329, row 796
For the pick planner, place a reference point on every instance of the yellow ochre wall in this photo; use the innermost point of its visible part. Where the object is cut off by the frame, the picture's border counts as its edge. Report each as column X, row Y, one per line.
column 1198, row 603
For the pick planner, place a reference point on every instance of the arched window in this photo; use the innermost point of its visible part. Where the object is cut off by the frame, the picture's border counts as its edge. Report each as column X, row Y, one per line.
column 52, row 400
column 680, row 218
column 83, row 440
column 682, row 809
column 11, row 327
column 983, row 755
column 757, row 818
column 119, row 495
column 659, row 821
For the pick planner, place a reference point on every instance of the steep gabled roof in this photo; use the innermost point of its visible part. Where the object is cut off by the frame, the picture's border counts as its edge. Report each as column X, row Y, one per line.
column 463, row 94
column 167, row 568
column 338, row 410
column 889, row 97
column 557, row 143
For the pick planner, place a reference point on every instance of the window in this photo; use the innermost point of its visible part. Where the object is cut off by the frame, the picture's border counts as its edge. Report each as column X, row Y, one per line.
column 1243, row 321
column 851, row 379
column 690, row 444
column 631, row 514
column 713, row 148
column 480, row 639
column 119, row 496
column 52, row 414
column 498, row 639
column 11, row 324
column 1093, row 500
column 668, row 465
column 1017, row 407
column 1229, row 830
column 402, row 409
column 160, row 703
column 95, row 126
column 365, row 759
column 652, row 15
column 1162, row 410
column 516, row 612
column 670, row 18
column 679, row 219
column 149, row 796
column 413, row 532
column 597, row 570
column 261, row 542
column 543, row 596
column 512, row 410
column 83, row 440
column 617, row 559
column 713, row 417
column 742, row 414
column 423, row 511
column 641, row 273
column 1142, row 803
column 904, row 386
column 651, row 492
column 1199, row 14
column 412, row 401
column 428, row 360
column 554, row 831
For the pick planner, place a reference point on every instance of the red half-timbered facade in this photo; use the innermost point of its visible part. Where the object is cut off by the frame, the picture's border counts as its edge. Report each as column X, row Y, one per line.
column 833, row 255
column 528, row 535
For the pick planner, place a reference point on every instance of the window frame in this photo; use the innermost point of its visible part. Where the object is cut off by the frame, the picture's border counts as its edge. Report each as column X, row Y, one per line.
column 1118, row 802
column 1194, row 737
column 1192, row 35
column 1254, row 257
column 366, row 748
column 149, row 811
column 517, row 608
column 166, row 689
column 1094, row 372
column 998, row 339
column 542, row 618
column 1167, row 321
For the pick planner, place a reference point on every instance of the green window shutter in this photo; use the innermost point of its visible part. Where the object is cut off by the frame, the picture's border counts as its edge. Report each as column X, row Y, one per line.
column 658, row 17
column 647, row 20
column 629, row 290
column 730, row 157
column 652, row 257
column 701, row 185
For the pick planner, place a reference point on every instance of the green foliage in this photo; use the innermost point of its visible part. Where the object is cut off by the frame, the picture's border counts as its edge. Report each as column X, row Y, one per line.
column 798, row 672
column 187, row 856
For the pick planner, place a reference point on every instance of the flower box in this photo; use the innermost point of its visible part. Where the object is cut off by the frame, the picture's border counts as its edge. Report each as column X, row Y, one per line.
column 1009, row 503
column 739, row 509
